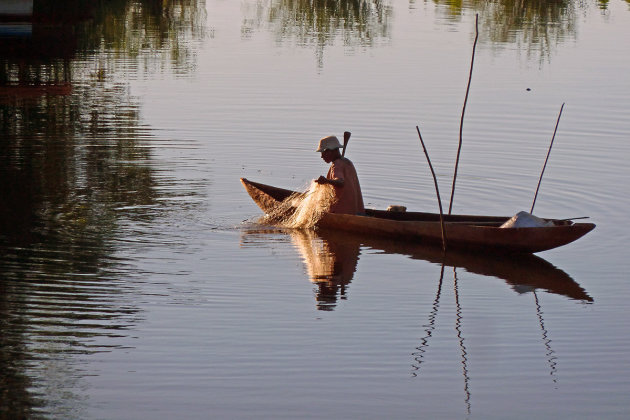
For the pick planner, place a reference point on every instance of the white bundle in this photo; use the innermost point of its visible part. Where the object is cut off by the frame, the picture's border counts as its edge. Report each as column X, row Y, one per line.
column 524, row 219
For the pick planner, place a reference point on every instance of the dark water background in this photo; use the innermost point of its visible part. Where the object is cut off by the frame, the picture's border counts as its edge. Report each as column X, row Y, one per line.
column 135, row 284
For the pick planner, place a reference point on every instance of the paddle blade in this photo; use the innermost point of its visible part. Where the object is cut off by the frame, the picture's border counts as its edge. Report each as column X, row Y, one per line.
column 346, row 139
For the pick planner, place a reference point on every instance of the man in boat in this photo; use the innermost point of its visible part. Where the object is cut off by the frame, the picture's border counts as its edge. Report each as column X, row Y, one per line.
column 342, row 176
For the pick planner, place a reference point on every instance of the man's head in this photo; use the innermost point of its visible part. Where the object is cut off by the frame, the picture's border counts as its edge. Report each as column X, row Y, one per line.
column 329, row 147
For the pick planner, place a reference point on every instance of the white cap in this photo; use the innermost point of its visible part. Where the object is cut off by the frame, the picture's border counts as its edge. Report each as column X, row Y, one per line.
column 328, row 143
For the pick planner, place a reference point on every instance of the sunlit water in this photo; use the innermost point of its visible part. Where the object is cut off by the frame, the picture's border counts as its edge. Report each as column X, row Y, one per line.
column 136, row 284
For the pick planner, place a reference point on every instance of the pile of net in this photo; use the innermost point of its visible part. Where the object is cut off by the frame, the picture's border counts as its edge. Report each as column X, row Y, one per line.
column 303, row 210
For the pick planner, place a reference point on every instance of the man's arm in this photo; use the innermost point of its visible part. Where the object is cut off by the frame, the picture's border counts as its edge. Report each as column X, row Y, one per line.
column 337, row 182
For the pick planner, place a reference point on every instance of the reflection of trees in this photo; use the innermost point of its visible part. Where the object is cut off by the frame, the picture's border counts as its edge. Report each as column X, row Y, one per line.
column 158, row 33
column 57, row 299
column 318, row 23
column 60, row 185
column 72, row 154
column 534, row 25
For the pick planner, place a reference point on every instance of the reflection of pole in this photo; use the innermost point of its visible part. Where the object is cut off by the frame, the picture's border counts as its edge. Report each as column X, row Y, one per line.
column 551, row 358
column 458, row 328
column 424, row 342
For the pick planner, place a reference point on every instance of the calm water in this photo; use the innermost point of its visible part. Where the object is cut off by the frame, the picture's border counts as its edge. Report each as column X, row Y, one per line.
column 135, row 283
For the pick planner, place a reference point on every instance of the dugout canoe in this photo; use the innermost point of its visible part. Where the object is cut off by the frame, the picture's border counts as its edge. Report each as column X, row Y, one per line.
column 464, row 232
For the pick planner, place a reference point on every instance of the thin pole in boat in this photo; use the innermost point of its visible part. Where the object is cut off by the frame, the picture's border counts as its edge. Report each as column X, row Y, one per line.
column 546, row 159
column 574, row 218
column 437, row 190
column 461, row 123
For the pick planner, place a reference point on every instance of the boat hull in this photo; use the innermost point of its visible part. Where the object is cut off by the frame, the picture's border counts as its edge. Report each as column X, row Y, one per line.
column 467, row 232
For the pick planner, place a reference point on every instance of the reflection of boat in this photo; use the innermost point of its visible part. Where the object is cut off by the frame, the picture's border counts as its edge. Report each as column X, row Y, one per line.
column 524, row 272
column 27, row 91
column 462, row 231
column 41, row 30
column 15, row 30
column 331, row 259
column 13, row 10
column 15, row 18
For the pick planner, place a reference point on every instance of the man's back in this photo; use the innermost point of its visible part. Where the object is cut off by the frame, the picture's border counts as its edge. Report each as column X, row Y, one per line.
column 349, row 197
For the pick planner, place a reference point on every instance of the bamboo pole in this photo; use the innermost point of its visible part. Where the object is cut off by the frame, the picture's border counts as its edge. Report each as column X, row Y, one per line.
column 437, row 190
column 461, row 123
column 546, row 159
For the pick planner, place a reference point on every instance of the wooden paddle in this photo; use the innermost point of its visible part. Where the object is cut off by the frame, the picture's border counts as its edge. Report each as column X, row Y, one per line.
column 346, row 139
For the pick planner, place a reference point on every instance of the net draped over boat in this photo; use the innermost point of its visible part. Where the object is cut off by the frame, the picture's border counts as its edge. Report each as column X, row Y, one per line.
column 303, row 210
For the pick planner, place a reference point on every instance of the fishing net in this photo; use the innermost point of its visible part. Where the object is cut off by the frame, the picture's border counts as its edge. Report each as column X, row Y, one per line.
column 303, row 210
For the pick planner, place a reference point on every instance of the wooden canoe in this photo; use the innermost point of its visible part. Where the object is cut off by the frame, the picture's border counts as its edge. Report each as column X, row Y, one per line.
column 464, row 232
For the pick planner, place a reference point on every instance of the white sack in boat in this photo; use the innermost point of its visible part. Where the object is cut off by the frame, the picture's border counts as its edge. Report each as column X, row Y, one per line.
column 524, row 219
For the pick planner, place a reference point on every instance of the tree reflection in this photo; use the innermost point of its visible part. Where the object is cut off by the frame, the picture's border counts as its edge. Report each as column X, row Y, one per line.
column 158, row 33
column 319, row 23
column 73, row 152
column 535, row 26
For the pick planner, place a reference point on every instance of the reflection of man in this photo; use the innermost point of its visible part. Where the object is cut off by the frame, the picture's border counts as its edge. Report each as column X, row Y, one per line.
column 330, row 262
column 342, row 176
column 342, row 263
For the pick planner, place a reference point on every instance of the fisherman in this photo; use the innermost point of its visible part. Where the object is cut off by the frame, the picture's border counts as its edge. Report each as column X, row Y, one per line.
column 342, row 176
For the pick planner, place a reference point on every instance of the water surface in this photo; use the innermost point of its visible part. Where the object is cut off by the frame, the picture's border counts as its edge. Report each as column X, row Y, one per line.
column 135, row 283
